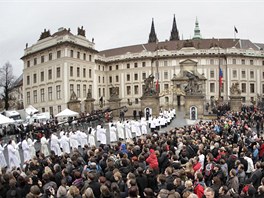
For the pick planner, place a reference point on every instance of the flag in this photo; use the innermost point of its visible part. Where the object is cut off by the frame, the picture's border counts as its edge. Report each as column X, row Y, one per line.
column 157, row 85
column 220, row 78
column 235, row 29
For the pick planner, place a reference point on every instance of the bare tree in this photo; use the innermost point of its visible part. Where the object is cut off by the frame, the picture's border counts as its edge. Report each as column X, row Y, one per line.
column 6, row 82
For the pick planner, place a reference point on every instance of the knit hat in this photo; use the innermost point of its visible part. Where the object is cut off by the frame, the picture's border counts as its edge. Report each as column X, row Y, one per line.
column 151, row 151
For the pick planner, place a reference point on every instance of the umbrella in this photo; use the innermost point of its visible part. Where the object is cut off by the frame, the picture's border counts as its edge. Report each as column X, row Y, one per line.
column 67, row 113
column 5, row 120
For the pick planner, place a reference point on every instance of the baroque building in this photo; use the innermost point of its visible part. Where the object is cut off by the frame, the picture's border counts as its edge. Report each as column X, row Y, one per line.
column 62, row 63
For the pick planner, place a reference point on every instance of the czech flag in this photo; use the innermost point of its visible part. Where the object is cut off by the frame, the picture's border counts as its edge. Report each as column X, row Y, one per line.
column 220, row 78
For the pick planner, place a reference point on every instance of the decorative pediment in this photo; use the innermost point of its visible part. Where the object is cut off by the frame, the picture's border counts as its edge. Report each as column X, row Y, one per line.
column 188, row 62
column 73, row 96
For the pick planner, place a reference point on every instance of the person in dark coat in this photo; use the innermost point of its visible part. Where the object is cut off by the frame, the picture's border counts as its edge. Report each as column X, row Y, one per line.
column 142, row 181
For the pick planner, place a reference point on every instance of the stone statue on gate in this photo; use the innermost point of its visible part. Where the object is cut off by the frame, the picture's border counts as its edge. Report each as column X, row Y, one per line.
column 114, row 92
column 234, row 89
column 89, row 94
column 194, row 86
column 149, row 89
column 73, row 96
column 81, row 31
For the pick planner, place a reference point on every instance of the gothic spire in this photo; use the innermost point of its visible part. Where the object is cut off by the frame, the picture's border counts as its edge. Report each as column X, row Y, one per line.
column 174, row 32
column 152, row 35
column 197, row 33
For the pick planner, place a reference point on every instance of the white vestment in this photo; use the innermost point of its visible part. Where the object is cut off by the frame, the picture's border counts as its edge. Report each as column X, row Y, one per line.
column 138, row 131
column 84, row 140
column 32, row 149
column 16, row 146
column 26, row 152
column 91, row 138
column 44, row 146
column 2, row 157
column 133, row 126
column 102, row 135
column 128, row 130
column 74, row 141
column 12, row 157
column 65, row 145
column 55, row 145
column 113, row 137
column 120, row 130
column 144, row 124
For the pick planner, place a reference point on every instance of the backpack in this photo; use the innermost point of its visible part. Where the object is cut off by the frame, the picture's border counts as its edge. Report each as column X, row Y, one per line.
column 208, row 169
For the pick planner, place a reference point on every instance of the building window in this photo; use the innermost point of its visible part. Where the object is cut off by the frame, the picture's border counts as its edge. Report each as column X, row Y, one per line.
column 71, row 71
column 144, row 76
column 135, row 76
column 71, row 53
column 58, row 72
column 58, row 92
column 166, row 86
column 243, row 73
column 59, row 108
column 49, row 93
column 78, row 71
column 43, row 110
column 212, row 74
column 99, row 92
column 50, row 56
column 143, row 64
column 117, row 78
column 42, row 96
column 222, row 87
column 166, row 75
column 42, row 76
column 110, row 79
column 28, row 63
column 84, row 73
column 50, row 74
column 212, row 87
column 90, row 58
column 167, row 99
column 78, row 90
column 58, row 54
column 263, row 62
column 252, row 88
column 35, row 78
column 90, row 73
column 165, row 63
column 71, row 88
column 135, row 65
column 99, row 67
column 51, row 110
column 84, row 91
column 234, row 73
column 243, row 61
column 251, row 74
column 42, row 59
column 128, row 77
column 103, row 79
column 35, row 61
column 128, row 65
column 211, row 61
column 84, row 56
column 99, row 79
column 136, row 89
column 128, row 90
column 251, row 62
column 28, row 97
column 234, row 61
column 116, row 67
column 110, row 68
column 243, row 87
column 262, row 88
column 35, row 96
column 78, row 54
column 28, row 80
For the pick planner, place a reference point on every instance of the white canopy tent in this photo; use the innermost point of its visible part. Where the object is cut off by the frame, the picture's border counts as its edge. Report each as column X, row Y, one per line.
column 5, row 120
column 30, row 110
column 67, row 113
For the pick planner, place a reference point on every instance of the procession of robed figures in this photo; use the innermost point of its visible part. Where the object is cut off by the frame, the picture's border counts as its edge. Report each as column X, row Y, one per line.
column 64, row 142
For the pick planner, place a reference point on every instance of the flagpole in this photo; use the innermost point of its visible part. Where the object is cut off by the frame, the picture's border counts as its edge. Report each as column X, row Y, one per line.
column 219, row 91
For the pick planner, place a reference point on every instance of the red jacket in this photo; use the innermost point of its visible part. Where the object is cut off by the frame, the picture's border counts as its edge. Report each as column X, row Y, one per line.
column 197, row 166
column 152, row 160
column 261, row 150
column 199, row 190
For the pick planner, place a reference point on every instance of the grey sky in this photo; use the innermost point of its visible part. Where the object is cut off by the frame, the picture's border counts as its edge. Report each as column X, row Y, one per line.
column 120, row 23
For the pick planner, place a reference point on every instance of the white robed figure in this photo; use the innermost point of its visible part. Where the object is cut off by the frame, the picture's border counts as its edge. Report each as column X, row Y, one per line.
column 133, row 126
column 84, row 140
column 73, row 141
column 12, row 156
column 91, row 137
column 144, row 125
column 79, row 137
column 16, row 146
column 26, row 151
column 65, row 144
column 55, row 144
column 138, row 131
column 113, row 137
column 2, row 157
column 32, row 150
column 97, row 133
column 128, row 130
column 102, row 135
column 44, row 146
column 120, row 130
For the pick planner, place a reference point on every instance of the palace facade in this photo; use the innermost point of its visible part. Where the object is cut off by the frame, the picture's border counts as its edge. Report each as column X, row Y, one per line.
column 61, row 64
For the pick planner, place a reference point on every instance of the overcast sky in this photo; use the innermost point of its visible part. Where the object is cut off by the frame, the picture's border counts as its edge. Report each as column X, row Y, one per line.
column 121, row 23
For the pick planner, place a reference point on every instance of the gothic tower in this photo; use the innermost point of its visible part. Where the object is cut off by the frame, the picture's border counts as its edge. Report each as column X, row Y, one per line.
column 197, row 33
column 152, row 35
column 174, row 32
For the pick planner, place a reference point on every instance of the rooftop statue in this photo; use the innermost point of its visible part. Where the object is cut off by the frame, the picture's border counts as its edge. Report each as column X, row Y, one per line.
column 234, row 89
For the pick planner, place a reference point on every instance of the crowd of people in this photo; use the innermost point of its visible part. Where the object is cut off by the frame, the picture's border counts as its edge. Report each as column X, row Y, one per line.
column 219, row 158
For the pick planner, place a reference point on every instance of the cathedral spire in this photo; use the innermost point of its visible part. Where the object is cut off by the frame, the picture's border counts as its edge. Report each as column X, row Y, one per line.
column 197, row 33
column 174, row 32
column 152, row 35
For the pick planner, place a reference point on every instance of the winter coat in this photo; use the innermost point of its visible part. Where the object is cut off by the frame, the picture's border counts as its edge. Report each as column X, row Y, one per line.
column 152, row 160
